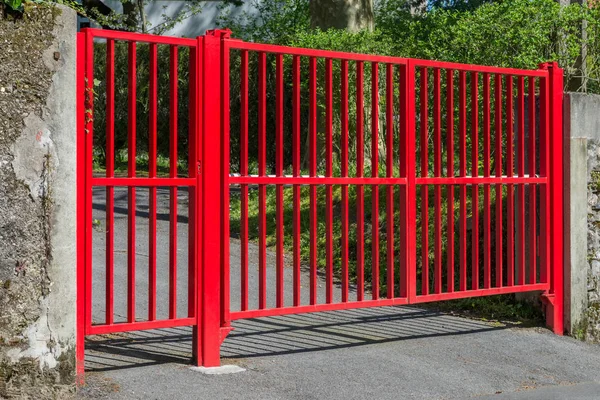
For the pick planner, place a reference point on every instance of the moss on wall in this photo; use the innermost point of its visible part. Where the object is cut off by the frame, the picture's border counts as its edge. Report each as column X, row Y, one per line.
column 33, row 361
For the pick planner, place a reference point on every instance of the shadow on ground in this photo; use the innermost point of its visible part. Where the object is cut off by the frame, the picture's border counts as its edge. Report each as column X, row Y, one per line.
column 279, row 335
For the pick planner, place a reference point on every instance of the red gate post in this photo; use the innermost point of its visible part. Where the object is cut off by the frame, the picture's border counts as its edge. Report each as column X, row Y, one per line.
column 81, row 202
column 207, row 342
column 554, row 298
column 408, row 201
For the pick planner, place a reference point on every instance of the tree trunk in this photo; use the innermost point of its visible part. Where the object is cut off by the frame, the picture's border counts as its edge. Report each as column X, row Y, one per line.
column 576, row 79
column 140, row 4
column 352, row 15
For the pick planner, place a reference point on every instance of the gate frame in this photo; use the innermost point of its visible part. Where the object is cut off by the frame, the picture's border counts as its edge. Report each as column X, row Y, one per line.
column 211, row 105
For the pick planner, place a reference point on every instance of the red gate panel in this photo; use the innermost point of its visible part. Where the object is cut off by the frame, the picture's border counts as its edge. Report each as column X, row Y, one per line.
column 443, row 180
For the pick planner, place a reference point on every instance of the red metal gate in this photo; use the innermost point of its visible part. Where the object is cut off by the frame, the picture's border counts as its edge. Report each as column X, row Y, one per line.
column 471, row 180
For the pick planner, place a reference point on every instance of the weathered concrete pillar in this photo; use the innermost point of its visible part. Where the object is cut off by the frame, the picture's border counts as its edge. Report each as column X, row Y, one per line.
column 582, row 219
column 37, row 203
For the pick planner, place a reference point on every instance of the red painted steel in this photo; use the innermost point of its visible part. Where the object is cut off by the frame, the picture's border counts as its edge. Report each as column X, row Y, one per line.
column 555, row 304
column 498, row 169
column 209, row 172
column 224, row 117
column 152, row 154
column 279, row 169
column 313, row 172
column 110, row 167
column 82, row 200
column 437, row 172
column 374, row 174
column 474, row 187
column 173, row 163
column 510, row 217
column 408, row 270
column 532, row 243
column 262, row 189
column 487, row 265
column 462, row 118
column 424, row 143
column 545, row 217
column 521, row 174
column 389, row 173
column 328, row 188
column 450, row 173
column 344, row 161
column 296, row 172
column 244, row 171
column 192, row 173
column 360, row 189
column 131, row 173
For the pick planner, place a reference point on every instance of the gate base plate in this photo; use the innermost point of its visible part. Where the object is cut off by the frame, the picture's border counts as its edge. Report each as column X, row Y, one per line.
column 222, row 370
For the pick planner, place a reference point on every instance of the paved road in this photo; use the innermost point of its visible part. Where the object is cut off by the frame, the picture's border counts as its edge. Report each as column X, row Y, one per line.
column 383, row 353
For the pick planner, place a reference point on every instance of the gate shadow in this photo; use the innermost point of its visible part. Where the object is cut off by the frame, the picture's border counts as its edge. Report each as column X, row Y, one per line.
column 281, row 335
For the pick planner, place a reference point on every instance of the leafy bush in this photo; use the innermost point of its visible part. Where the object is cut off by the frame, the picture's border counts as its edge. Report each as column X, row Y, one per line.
column 513, row 33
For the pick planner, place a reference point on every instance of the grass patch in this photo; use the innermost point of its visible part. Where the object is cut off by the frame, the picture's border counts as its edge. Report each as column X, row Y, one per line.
column 500, row 308
column 142, row 163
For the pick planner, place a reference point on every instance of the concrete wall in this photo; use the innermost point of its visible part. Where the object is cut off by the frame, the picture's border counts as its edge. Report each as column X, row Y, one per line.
column 37, row 203
column 582, row 233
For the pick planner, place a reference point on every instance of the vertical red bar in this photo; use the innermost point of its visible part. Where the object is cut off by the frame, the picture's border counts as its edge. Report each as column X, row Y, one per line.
column 110, row 167
column 262, row 190
column 487, row 271
column 555, row 312
column 424, row 96
column 328, row 188
column 532, row 187
column 437, row 171
column 544, row 148
column 462, row 118
column 152, row 153
column 389, row 173
column 521, row 173
column 510, row 234
column 225, row 156
column 131, row 161
column 344, row 151
column 498, row 170
column 89, row 148
column 244, row 172
column 450, row 173
column 81, row 200
column 279, row 172
column 374, row 174
column 360, row 190
column 173, row 161
column 313, row 173
column 198, row 244
column 408, row 204
column 192, row 173
column 474, row 187
column 296, row 166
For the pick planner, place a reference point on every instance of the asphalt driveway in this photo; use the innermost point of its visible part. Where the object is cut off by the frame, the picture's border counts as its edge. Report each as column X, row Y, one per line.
column 382, row 353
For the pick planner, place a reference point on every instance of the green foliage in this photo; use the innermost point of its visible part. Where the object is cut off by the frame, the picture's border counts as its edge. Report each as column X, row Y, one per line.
column 121, row 112
column 512, row 33
column 509, row 33
column 340, row 40
column 276, row 21
column 15, row 5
